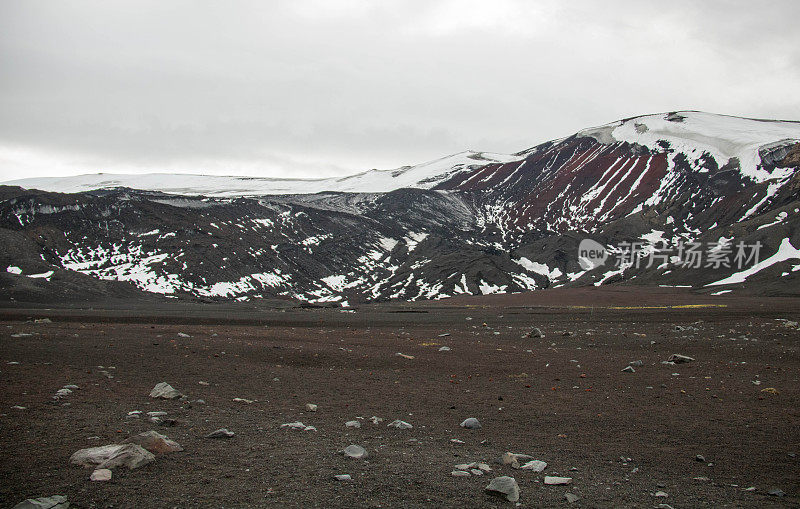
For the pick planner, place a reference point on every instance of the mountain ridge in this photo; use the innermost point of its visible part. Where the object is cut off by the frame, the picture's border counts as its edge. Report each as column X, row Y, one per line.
column 419, row 175
column 462, row 226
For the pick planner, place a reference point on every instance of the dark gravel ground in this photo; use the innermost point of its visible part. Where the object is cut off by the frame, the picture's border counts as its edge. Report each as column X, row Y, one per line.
column 561, row 399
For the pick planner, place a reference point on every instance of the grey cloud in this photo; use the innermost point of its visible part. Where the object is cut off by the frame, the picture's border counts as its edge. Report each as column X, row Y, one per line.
column 332, row 87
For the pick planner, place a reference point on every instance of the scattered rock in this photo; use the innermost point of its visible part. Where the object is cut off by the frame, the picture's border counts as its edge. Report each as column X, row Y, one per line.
column 221, row 433
column 353, row 424
column 700, row 458
column 298, row 425
column 660, row 494
column 54, row 502
column 535, row 465
column 375, row 420
column 400, row 424
column 157, row 414
column 62, row 393
column 355, row 451
column 242, row 400
column 476, row 471
column 636, row 364
column 679, row 359
column 628, row 369
column 776, row 492
column 154, row 442
column 534, row 333
column 343, row 477
column 310, row 407
column 571, row 497
column 771, row 390
column 112, row 456
column 164, row 390
column 398, row 354
column 514, row 459
column 506, row 486
column 183, row 335
column 72, row 387
column 43, row 320
column 557, row 481
column 101, row 474
column 444, row 349
column 471, row 423
column 460, row 473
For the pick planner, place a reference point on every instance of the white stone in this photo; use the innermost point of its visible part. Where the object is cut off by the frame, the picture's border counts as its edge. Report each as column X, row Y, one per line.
column 557, row 481
column 535, row 465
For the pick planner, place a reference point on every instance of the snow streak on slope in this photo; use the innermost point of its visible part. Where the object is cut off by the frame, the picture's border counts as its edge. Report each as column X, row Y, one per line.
column 786, row 251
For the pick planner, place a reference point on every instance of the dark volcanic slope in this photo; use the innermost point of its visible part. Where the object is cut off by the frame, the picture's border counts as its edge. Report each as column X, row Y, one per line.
column 661, row 181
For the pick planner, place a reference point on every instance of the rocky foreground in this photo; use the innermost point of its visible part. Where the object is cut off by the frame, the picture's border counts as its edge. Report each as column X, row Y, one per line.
column 479, row 403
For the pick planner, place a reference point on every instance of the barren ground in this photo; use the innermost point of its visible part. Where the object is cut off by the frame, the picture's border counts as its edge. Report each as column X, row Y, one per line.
column 562, row 399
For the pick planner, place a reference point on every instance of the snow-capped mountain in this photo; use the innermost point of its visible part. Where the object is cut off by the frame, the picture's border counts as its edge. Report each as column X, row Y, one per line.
column 666, row 185
column 422, row 176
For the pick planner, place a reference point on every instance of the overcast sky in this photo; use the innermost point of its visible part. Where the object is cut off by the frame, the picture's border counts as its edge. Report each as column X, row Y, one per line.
column 318, row 88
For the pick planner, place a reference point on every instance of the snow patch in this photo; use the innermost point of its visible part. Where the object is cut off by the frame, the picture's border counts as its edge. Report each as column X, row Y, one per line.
column 786, row 251
column 539, row 268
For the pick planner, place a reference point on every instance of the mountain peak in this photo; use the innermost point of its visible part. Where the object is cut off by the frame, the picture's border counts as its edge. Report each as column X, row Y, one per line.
column 725, row 139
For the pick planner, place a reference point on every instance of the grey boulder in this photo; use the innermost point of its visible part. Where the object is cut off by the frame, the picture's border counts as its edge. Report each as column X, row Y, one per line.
column 54, row 502
column 154, row 442
column 112, row 456
column 471, row 423
column 535, row 465
column 100, row 475
column 679, row 359
column 355, row 451
column 506, row 486
column 163, row 390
